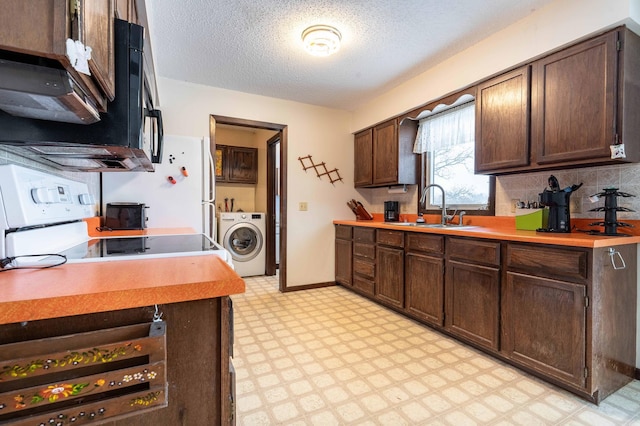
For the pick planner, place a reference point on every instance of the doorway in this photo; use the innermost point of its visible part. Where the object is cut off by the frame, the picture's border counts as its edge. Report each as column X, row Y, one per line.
column 276, row 215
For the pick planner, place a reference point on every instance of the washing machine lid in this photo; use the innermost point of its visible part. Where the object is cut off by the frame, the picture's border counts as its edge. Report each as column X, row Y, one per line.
column 244, row 241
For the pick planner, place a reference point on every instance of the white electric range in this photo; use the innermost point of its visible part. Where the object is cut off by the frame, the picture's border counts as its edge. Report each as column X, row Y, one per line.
column 41, row 224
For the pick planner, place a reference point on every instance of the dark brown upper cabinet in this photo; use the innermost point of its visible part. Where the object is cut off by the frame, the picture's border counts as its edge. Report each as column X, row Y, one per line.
column 502, row 122
column 236, row 164
column 563, row 110
column 383, row 155
column 41, row 28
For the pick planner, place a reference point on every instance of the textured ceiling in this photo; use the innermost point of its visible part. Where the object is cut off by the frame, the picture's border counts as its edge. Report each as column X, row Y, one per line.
column 254, row 46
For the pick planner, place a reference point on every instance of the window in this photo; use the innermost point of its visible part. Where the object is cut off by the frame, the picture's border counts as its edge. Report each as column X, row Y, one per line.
column 446, row 140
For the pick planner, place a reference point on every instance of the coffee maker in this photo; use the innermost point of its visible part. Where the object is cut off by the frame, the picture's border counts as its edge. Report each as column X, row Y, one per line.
column 557, row 201
column 391, row 211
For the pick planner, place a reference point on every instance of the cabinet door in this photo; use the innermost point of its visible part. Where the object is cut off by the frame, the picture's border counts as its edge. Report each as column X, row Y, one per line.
column 424, row 287
column 95, row 21
column 56, row 21
column 574, row 107
column 544, row 326
column 472, row 303
column 242, row 164
column 502, row 122
column 389, row 287
column 344, row 263
column 363, row 158
column 385, row 153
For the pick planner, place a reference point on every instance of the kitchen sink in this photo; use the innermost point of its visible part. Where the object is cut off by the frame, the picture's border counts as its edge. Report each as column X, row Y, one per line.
column 434, row 225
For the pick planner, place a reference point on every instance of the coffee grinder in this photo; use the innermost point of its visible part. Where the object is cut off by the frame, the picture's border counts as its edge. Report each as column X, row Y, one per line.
column 557, row 201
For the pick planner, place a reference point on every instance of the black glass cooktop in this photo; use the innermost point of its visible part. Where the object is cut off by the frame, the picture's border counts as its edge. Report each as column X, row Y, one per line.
column 152, row 246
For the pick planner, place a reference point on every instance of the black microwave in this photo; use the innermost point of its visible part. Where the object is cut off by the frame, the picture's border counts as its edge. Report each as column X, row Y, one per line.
column 128, row 136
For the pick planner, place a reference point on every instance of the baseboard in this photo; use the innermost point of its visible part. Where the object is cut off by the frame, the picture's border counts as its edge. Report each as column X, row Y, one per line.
column 310, row 286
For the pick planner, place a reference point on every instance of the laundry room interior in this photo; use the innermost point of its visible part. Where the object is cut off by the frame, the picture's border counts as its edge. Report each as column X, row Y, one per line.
column 246, row 191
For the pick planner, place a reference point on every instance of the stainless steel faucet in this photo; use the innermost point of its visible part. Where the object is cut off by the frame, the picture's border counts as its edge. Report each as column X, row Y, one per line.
column 423, row 199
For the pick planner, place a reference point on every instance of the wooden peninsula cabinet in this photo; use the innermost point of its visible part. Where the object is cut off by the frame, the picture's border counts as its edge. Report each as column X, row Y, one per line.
column 566, row 313
column 563, row 110
column 90, row 22
column 383, row 155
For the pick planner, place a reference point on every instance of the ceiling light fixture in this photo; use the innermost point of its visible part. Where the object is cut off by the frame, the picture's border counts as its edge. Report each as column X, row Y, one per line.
column 321, row 40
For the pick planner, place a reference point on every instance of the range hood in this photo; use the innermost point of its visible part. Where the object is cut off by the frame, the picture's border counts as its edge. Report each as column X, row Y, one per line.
column 45, row 93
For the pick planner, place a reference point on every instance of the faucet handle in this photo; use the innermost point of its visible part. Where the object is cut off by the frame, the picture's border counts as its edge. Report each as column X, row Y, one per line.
column 460, row 216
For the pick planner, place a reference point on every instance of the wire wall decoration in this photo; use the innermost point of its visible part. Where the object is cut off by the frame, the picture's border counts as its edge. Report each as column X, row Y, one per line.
column 320, row 168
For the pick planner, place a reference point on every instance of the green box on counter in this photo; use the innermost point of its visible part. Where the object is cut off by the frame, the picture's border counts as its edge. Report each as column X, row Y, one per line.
column 531, row 219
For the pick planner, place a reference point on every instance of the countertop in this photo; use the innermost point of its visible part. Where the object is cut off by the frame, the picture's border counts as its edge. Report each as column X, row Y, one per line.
column 502, row 228
column 89, row 287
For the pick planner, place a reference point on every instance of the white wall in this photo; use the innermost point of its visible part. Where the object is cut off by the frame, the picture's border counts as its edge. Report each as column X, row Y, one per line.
column 320, row 132
column 555, row 25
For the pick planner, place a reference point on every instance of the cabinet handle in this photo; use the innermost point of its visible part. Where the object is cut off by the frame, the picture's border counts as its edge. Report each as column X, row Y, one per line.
column 612, row 254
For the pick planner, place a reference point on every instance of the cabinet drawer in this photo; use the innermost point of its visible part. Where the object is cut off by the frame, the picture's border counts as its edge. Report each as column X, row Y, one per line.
column 343, row 232
column 364, row 250
column 390, row 238
column 364, row 267
column 475, row 251
column 364, row 285
column 424, row 243
column 364, row 235
column 552, row 262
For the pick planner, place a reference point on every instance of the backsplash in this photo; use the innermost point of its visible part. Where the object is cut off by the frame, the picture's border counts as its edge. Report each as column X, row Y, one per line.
column 7, row 156
column 527, row 186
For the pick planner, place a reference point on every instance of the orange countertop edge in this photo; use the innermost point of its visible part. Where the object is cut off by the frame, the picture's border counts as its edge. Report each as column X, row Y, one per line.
column 501, row 228
column 90, row 287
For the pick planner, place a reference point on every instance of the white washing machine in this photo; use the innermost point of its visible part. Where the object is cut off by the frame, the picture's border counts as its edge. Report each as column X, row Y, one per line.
column 242, row 234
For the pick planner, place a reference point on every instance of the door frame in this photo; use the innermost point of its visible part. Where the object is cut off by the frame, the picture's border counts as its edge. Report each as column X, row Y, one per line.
column 282, row 130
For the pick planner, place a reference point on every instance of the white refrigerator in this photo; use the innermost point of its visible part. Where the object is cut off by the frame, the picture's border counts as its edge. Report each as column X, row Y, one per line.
column 179, row 193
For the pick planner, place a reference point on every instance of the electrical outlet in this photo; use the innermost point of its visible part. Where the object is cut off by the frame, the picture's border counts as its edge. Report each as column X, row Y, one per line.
column 576, row 205
column 514, row 201
column 302, row 206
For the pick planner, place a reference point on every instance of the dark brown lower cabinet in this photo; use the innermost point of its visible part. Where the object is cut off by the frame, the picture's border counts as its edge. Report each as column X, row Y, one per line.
column 390, row 276
column 389, row 287
column 545, row 326
column 424, row 277
column 344, row 255
column 472, row 307
column 566, row 314
column 198, row 368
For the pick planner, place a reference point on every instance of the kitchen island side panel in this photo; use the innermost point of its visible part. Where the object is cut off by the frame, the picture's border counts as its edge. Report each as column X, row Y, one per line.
column 195, row 353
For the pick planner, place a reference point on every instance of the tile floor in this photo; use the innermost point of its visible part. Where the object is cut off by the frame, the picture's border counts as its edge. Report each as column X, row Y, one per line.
column 330, row 357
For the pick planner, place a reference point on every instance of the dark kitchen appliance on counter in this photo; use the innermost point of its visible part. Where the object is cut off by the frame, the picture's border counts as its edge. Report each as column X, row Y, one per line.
column 125, row 216
column 610, row 210
column 557, row 201
column 128, row 136
column 391, row 211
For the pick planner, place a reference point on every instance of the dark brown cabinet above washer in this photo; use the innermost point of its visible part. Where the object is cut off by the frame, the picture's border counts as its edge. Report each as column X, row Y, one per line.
column 236, row 164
